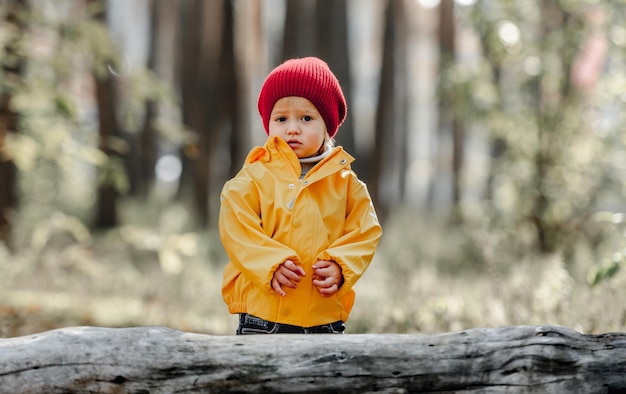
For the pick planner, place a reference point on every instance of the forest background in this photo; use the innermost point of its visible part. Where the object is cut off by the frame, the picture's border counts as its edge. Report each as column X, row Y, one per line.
column 490, row 134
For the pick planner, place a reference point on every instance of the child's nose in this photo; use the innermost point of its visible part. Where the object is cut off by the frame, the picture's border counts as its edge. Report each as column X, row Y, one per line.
column 293, row 129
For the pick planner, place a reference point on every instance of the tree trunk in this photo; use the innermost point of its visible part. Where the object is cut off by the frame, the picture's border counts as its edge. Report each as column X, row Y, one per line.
column 163, row 14
column 232, row 77
column 536, row 359
column 106, row 215
column 107, row 194
column 390, row 161
column 298, row 35
column 202, row 30
column 399, row 150
column 8, row 175
column 448, row 118
column 8, row 117
column 187, row 69
column 331, row 45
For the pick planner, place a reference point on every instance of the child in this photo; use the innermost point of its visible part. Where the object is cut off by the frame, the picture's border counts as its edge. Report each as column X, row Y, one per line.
column 297, row 224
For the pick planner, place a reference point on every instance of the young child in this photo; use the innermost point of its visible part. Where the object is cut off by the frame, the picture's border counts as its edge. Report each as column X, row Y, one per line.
column 298, row 225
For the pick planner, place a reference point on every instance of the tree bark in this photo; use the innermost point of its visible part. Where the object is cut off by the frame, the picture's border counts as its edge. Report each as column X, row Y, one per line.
column 10, row 74
column 331, row 45
column 384, row 168
column 231, row 101
column 106, row 215
column 298, row 35
column 8, row 171
column 106, row 97
column 202, row 32
column 542, row 359
column 163, row 29
column 449, row 121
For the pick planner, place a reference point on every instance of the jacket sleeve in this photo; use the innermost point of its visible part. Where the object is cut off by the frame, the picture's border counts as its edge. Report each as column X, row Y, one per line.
column 355, row 249
column 251, row 251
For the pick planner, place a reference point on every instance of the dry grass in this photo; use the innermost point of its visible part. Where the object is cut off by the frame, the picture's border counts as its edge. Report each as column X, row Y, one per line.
column 124, row 278
column 428, row 279
column 532, row 293
column 110, row 283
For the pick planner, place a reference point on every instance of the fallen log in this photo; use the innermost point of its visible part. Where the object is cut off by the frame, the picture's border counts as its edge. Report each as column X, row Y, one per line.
column 542, row 359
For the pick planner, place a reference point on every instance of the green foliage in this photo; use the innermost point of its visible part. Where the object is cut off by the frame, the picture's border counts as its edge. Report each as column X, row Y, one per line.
column 556, row 142
column 606, row 270
column 609, row 266
column 558, row 159
column 113, row 173
column 428, row 278
column 419, row 281
column 62, row 47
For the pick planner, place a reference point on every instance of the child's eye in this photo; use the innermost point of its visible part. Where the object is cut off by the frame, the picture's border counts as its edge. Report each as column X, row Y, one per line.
column 307, row 118
column 281, row 119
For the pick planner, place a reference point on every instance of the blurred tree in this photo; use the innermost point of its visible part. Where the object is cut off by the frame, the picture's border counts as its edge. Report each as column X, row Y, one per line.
column 211, row 99
column 550, row 164
column 109, row 130
column 53, row 141
column 201, row 34
column 331, row 44
column 298, row 34
column 231, row 102
column 11, row 75
column 163, row 28
column 449, row 120
column 401, row 131
column 324, row 35
column 388, row 164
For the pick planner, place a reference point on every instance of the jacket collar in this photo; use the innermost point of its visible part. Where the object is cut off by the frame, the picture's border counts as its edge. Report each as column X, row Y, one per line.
column 276, row 148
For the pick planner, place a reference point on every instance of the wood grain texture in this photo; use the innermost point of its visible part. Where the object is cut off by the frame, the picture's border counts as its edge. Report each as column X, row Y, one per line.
column 541, row 359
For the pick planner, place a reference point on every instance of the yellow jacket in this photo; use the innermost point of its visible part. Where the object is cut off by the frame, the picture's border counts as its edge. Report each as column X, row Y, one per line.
column 269, row 215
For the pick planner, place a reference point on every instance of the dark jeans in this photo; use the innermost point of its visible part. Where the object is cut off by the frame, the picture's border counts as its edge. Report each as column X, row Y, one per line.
column 249, row 325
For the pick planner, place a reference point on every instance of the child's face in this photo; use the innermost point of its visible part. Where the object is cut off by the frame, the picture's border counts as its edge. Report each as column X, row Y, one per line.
column 299, row 124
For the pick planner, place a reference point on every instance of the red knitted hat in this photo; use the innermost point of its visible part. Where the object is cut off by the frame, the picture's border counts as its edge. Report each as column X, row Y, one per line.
column 310, row 78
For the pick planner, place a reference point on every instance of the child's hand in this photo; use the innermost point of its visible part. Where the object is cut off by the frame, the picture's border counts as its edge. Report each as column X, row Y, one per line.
column 329, row 277
column 287, row 274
